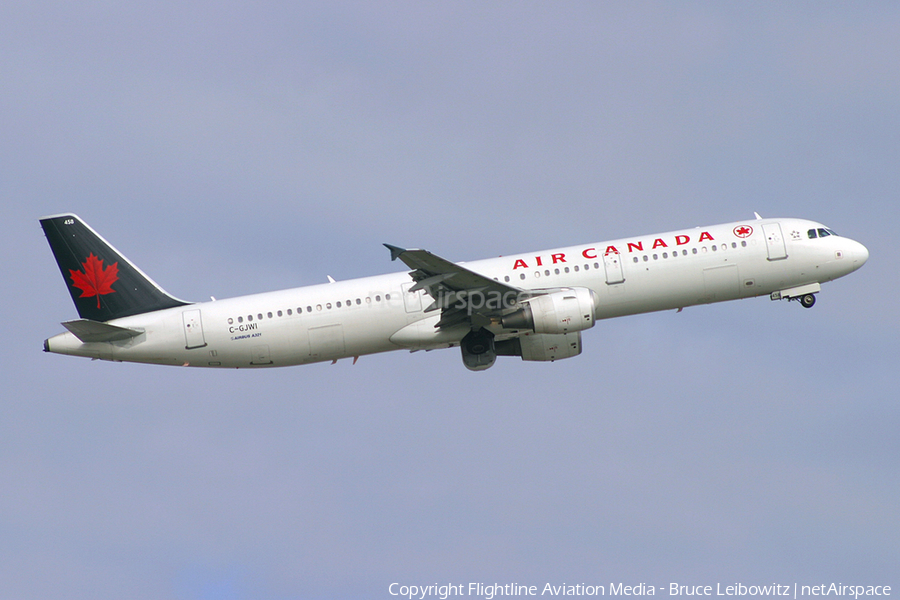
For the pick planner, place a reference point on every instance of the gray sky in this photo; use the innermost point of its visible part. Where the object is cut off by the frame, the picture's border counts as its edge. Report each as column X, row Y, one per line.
column 231, row 148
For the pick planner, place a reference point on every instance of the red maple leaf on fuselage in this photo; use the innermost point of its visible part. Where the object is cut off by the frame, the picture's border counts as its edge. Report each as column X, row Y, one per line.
column 95, row 280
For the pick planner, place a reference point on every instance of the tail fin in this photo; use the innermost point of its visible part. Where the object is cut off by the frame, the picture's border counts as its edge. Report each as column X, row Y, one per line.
column 103, row 283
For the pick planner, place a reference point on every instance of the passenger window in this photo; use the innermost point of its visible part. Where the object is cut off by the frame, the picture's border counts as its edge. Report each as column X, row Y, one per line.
column 656, row 257
column 566, row 269
column 230, row 321
column 635, row 259
column 576, row 268
column 280, row 314
column 521, row 275
column 328, row 305
column 240, row 319
column 290, row 312
column 547, row 272
column 646, row 258
column 358, row 301
column 338, row 304
column 318, row 307
column 744, row 244
column 249, row 317
column 309, row 309
column 260, row 316
column 269, row 315
column 714, row 248
column 537, row 274
column 506, row 278
column 556, row 271
column 665, row 255
column 694, row 250
column 377, row 298
column 387, row 297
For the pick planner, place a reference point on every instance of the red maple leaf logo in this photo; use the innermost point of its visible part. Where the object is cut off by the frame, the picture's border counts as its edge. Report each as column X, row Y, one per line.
column 95, row 280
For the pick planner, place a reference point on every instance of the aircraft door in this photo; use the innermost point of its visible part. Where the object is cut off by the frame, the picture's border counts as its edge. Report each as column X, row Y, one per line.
column 411, row 300
column 612, row 261
column 326, row 342
column 774, row 241
column 260, row 355
column 193, row 329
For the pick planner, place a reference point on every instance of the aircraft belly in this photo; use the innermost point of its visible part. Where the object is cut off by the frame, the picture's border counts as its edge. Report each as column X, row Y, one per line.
column 658, row 287
column 721, row 282
column 423, row 335
column 370, row 334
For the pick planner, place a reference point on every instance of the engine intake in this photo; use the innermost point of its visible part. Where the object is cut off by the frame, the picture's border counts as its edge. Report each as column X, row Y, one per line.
column 478, row 351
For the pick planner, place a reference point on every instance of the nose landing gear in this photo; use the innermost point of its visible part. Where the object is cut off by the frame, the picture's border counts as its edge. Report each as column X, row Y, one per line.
column 807, row 300
column 805, row 294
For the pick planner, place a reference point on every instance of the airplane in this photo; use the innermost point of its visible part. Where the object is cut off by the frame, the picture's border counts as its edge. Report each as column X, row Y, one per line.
column 533, row 305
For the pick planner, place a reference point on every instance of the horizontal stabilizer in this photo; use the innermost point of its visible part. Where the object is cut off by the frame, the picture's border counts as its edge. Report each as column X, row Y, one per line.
column 94, row 331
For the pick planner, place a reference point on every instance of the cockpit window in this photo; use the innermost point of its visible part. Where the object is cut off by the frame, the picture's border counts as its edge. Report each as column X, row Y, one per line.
column 820, row 233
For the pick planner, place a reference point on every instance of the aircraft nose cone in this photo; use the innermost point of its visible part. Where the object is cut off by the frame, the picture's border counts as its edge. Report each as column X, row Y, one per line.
column 861, row 254
column 858, row 255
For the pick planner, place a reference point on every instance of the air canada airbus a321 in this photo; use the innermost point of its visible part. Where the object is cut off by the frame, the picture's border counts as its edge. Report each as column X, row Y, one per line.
column 532, row 305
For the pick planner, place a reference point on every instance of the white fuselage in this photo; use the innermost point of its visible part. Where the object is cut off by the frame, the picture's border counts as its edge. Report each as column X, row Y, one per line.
column 375, row 314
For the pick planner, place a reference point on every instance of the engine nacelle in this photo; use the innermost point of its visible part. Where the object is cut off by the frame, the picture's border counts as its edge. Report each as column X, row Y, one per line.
column 565, row 311
column 542, row 346
column 478, row 351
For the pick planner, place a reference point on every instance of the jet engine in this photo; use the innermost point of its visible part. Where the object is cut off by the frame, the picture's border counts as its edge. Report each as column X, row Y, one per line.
column 542, row 346
column 565, row 311
column 478, row 351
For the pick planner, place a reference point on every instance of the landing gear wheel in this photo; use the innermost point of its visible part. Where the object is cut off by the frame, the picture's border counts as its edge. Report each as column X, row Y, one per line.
column 807, row 300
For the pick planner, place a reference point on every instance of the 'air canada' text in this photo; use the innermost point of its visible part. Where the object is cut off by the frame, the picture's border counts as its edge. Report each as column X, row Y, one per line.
column 591, row 253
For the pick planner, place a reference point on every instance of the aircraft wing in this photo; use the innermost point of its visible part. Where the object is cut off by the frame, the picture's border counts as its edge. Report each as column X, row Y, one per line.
column 461, row 295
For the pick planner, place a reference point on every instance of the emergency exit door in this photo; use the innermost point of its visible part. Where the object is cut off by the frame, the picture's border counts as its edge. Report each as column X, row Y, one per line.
column 411, row 300
column 612, row 261
column 193, row 329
